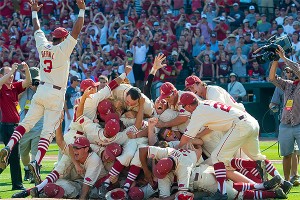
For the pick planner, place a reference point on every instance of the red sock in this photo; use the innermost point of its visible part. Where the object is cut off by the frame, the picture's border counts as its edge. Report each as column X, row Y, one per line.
column 53, row 176
column 116, row 168
column 243, row 186
column 42, row 148
column 134, row 171
column 239, row 163
column 270, row 168
column 220, row 173
column 250, row 175
column 16, row 136
column 250, row 194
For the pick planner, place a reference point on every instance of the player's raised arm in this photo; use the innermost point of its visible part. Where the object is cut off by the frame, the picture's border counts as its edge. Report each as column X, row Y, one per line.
column 35, row 8
column 79, row 22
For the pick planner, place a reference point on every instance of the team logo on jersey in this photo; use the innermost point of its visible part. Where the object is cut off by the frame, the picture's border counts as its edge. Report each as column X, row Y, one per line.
column 181, row 185
column 81, row 121
column 88, row 179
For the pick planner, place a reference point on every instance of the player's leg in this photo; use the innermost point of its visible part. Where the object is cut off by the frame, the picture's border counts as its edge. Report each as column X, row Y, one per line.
column 25, row 146
column 259, row 194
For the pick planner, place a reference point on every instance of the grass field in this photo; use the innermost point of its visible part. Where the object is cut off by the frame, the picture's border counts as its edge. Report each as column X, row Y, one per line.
column 5, row 182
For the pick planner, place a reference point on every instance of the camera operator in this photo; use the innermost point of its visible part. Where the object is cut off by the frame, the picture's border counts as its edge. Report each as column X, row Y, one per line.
column 289, row 128
column 10, row 108
column 29, row 143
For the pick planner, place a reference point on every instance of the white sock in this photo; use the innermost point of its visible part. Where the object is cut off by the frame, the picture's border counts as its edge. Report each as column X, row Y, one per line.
column 10, row 144
column 42, row 185
column 26, row 167
column 259, row 186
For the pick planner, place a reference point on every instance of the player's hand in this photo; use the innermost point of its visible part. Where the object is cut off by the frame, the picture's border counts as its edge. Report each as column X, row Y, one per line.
column 131, row 135
column 128, row 69
column 149, row 176
column 113, row 179
column 14, row 67
column 25, row 66
column 80, row 170
column 35, row 6
column 80, row 4
column 280, row 52
column 87, row 92
column 158, row 60
column 152, row 121
column 160, row 124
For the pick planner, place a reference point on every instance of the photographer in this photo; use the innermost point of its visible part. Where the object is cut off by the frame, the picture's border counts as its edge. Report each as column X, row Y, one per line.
column 289, row 128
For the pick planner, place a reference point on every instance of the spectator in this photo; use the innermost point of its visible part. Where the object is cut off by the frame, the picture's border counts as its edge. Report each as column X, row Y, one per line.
column 251, row 16
column 6, row 8
column 246, row 26
column 293, row 11
column 205, row 27
column 221, row 29
column 235, row 88
column 264, row 26
column 288, row 25
column 238, row 15
column 10, row 116
column 256, row 73
column 232, row 45
column 207, row 69
column 245, row 48
column 222, row 68
column 29, row 143
column 281, row 17
column 103, row 80
column 209, row 13
column 239, row 62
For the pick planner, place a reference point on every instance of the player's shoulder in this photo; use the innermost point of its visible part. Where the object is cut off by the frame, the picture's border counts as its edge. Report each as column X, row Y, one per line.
column 92, row 158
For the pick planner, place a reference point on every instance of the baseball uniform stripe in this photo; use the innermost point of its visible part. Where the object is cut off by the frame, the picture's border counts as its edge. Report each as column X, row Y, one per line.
column 233, row 127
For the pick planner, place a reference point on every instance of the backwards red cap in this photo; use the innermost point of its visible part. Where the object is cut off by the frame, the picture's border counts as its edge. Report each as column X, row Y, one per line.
column 191, row 80
column 112, row 127
column 163, row 167
column 60, row 32
column 187, row 98
column 166, row 90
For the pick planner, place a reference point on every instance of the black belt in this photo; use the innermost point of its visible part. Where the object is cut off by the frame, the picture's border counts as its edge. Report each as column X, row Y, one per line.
column 241, row 117
column 9, row 124
column 54, row 86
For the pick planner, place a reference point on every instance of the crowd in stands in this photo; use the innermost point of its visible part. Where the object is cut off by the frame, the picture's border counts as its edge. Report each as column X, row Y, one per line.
column 208, row 38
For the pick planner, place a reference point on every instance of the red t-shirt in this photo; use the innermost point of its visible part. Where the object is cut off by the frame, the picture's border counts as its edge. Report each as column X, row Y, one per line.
column 223, row 67
column 25, row 8
column 48, row 7
column 9, row 101
column 220, row 34
column 119, row 53
column 6, row 11
column 207, row 70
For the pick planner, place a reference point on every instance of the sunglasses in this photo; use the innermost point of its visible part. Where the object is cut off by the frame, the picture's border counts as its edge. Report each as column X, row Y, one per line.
column 169, row 133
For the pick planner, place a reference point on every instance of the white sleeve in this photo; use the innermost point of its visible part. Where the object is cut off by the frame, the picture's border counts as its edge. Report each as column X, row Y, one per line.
column 193, row 127
column 157, row 152
column 40, row 38
column 93, row 168
column 183, row 177
column 88, row 125
column 68, row 45
column 102, row 94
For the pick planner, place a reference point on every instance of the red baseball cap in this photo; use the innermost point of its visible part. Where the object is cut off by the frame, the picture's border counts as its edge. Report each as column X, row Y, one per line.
column 116, row 194
column 163, row 167
column 87, row 83
column 166, row 90
column 187, row 98
column 184, row 195
column 135, row 193
column 112, row 127
column 60, row 32
column 191, row 80
column 54, row 191
column 113, row 150
column 81, row 142
column 104, row 107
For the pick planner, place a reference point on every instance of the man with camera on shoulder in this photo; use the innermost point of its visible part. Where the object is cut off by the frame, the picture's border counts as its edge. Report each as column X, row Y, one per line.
column 289, row 128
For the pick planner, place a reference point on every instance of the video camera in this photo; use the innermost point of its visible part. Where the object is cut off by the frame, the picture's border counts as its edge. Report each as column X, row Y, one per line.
column 268, row 53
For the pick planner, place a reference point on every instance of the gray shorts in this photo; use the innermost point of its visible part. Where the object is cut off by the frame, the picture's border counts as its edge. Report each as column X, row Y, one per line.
column 287, row 136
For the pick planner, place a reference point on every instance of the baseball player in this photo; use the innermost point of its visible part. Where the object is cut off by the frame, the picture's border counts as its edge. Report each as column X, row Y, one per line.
column 171, row 162
column 49, row 98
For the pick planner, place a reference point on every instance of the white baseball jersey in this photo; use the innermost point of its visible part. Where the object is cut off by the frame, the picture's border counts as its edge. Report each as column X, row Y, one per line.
column 93, row 166
column 213, row 115
column 120, row 94
column 54, row 59
column 185, row 161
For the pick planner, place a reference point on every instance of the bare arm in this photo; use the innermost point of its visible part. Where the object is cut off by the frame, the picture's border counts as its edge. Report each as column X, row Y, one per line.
column 35, row 8
column 79, row 23
column 28, row 80
column 273, row 70
column 84, row 191
column 143, row 158
column 174, row 122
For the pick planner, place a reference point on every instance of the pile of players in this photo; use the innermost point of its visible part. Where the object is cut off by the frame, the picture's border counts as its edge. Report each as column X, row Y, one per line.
column 186, row 145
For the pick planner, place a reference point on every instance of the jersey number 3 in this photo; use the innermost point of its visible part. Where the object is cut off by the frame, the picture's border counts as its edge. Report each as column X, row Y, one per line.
column 48, row 67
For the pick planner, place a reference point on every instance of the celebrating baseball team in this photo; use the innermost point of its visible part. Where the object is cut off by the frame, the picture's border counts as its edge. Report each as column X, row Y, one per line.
column 193, row 144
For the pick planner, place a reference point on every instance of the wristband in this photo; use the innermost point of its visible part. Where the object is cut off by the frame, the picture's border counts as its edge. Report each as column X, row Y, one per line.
column 34, row 15
column 123, row 76
column 81, row 13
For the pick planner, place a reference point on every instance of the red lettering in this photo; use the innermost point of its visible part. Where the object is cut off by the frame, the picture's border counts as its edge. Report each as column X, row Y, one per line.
column 48, row 64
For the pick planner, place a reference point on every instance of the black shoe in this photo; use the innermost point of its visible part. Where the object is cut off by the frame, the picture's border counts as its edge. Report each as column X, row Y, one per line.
column 27, row 175
column 22, row 194
column 272, row 183
column 280, row 194
column 295, row 180
column 261, row 167
column 18, row 187
column 286, row 186
column 103, row 190
column 35, row 171
column 4, row 155
column 217, row 196
column 34, row 192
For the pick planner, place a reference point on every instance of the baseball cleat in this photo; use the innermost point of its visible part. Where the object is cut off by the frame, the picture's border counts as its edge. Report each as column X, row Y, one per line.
column 103, row 190
column 21, row 194
column 295, row 180
column 4, row 155
column 34, row 192
column 261, row 167
column 272, row 183
column 27, row 176
column 35, row 171
column 286, row 186
column 217, row 196
column 280, row 194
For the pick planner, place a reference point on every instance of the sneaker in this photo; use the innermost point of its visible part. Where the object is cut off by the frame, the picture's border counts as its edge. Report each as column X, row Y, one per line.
column 103, row 190
column 35, row 171
column 280, row 194
column 4, row 155
column 295, row 180
column 261, row 167
column 21, row 194
column 27, row 175
column 34, row 192
column 272, row 183
column 217, row 196
column 286, row 186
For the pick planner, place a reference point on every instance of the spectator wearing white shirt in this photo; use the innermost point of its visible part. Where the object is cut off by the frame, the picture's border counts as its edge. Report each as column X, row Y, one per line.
column 103, row 28
column 139, row 48
column 235, row 88
column 288, row 25
column 281, row 17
